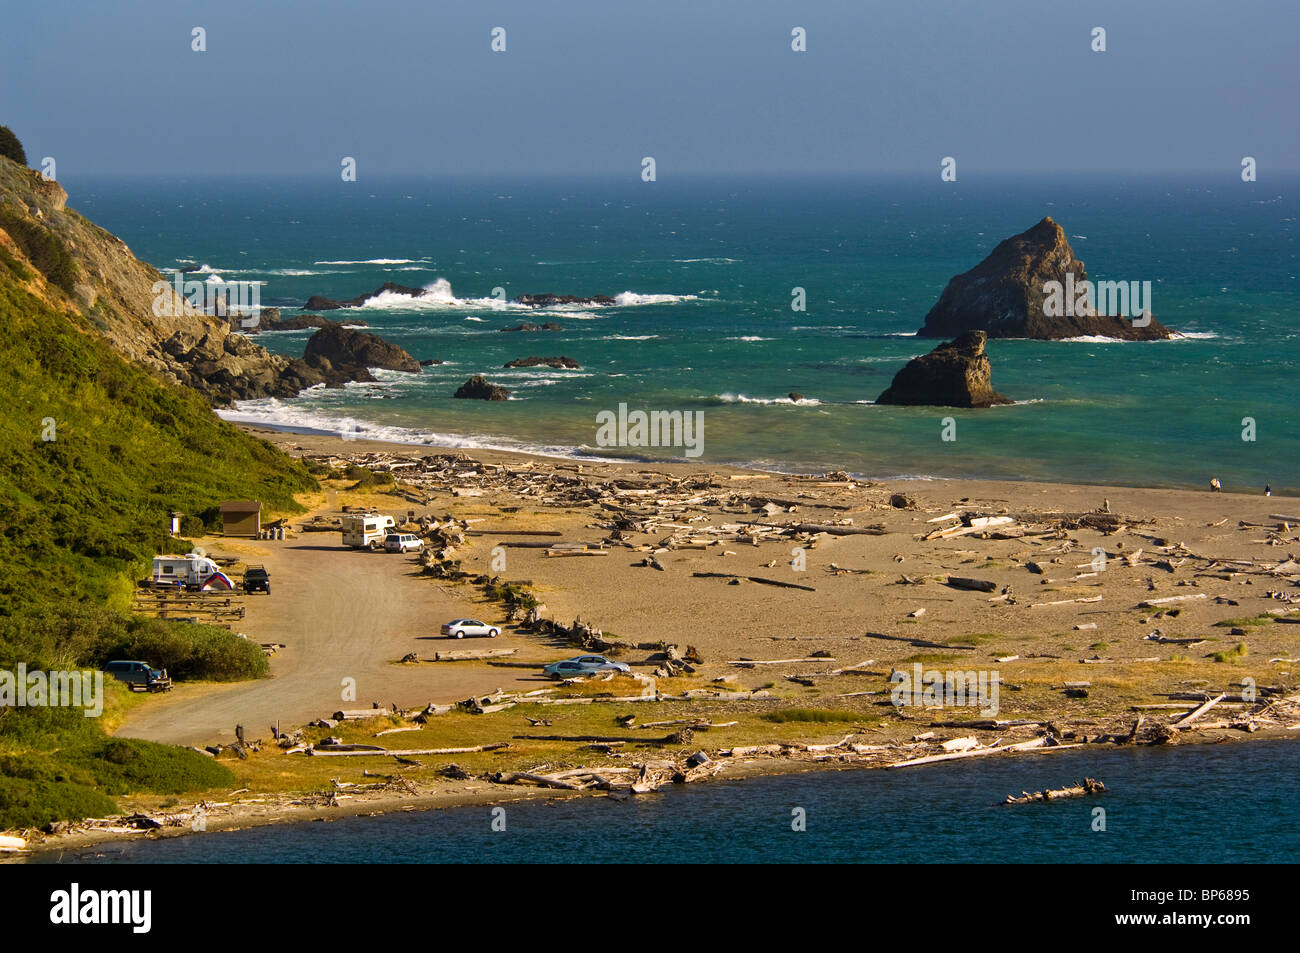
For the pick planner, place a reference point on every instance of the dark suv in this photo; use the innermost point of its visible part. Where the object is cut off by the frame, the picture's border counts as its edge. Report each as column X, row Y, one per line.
column 257, row 579
column 139, row 676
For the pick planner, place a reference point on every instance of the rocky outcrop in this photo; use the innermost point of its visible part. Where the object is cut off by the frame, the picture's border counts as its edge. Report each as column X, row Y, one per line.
column 321, row 303
column 134, row 307
column 556, row 362
column 138, row 311
column 343, row 347
column 1005, row 295
column 477, row 388
column 955, row 374
column 526, row 326
column 551, row 300
column 297, row 322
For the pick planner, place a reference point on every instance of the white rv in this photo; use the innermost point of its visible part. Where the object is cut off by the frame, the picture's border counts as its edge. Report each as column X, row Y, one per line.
column 361, row 530
column 191, row 571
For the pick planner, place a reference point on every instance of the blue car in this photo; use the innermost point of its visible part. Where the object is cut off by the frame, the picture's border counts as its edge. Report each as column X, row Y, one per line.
column 584, row 665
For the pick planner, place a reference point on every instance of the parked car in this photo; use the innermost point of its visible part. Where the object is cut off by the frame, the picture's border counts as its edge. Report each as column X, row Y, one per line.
column 257, row 579
column 139, row 676
column 403, row 543
column 459, row 628
column 584, row 665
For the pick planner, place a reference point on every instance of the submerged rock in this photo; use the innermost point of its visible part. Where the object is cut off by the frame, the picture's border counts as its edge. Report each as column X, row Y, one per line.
column 477, row 388
column 551, row 300
column 527, row 326
column 321, row 303
column 955, row 374
column 1004, row 295
column 299, row 322
column 557, row 362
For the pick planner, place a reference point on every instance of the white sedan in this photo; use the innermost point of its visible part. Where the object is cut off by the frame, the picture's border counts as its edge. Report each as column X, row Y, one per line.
column 459, row 628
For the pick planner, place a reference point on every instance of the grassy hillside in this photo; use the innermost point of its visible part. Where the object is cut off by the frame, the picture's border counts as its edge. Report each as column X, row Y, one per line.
column 95, row 452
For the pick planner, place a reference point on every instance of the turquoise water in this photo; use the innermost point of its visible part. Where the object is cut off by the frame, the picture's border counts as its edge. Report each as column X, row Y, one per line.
column 1225, row 803
column 709, row 264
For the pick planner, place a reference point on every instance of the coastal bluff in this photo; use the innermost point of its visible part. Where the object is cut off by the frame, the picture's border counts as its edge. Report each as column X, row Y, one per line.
column 75, row 266
column 1004, row 296
column 955, row 374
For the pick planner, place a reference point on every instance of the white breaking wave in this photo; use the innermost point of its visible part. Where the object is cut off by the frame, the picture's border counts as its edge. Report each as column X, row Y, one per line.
column 742, row 399
column 749, row 337
column 375, row 261
column 439, row 295
column 436, row 296
column 272, row 412
column 628, row 337
column 1178, row 336
column 632, row 298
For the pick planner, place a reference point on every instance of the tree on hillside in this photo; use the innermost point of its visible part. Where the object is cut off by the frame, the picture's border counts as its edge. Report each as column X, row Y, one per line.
column 10, row 147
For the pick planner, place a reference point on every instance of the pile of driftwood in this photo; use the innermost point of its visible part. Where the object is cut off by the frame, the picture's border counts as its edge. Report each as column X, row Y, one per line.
column 639, row 778
column 648, row 501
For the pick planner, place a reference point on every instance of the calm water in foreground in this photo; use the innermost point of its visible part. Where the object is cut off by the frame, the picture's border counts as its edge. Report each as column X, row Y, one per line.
column 1193, row 804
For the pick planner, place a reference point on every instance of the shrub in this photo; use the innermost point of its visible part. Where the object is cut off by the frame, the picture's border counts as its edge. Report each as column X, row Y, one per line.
column 367, row 478
column 128, row 765
column 185, row 649
column 26, row 803
column 192, row 526
column 10, row 147
column 42, row 247
column 14, row 265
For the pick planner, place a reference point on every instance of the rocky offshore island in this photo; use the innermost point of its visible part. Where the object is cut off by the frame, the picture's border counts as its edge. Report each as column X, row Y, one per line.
column 1004, row 295
column 955, row 374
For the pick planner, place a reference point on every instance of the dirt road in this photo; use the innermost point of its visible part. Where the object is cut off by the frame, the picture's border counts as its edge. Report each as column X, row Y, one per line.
column 341, row 614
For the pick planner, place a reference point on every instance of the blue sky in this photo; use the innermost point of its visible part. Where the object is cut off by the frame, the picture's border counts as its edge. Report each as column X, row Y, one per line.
column 591, row 86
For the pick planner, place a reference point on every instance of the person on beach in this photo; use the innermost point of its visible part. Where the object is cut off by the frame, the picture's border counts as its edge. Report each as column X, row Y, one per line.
column 1268, row 490
column 1216, row 486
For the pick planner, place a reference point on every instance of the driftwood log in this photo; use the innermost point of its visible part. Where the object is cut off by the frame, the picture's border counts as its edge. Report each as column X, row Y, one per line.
column 1089, row 786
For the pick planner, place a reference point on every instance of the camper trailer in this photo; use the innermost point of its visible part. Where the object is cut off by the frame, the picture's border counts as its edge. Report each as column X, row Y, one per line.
column 366, row 530
column 190, row 572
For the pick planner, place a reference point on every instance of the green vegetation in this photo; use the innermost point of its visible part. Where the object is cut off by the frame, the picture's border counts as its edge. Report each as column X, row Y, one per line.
column 1262, row 619
column 1234, row 654
column 185, row 649
column 367, row 479
column 10, row 147
column 976, row 638
column 42, row 246
column 94, row 455
column 819, row 715
column 127, row 766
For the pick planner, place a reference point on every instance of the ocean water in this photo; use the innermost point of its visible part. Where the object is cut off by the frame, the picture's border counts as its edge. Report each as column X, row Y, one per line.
column 1227, row 803
column 704, row 270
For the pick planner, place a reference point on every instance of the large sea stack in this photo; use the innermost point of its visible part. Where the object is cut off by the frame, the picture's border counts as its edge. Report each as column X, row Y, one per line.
column 341, row 354
column 955, row 374
column 1004, row 295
